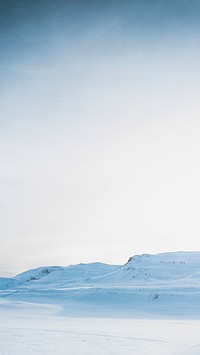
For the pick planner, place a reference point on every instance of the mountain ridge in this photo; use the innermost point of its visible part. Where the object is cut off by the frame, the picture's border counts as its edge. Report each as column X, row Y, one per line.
column 164, row 283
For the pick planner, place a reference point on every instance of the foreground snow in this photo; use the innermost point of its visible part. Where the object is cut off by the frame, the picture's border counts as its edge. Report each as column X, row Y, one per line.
column 150, row 305
column 30, row 329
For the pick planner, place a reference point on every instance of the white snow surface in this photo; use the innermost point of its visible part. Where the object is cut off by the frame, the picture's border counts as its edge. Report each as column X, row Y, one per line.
column 166, row 284
column 150, row 305
column 35, row 329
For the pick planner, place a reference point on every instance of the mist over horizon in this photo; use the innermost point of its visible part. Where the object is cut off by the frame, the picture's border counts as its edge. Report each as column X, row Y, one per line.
column 99, row 130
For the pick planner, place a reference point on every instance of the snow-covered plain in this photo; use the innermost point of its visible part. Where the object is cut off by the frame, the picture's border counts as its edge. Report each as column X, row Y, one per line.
column 150, row 305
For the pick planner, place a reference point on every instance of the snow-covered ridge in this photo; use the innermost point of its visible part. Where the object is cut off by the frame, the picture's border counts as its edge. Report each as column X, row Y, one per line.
column 167, row 283
column 36, row 274
column 157, row 267
column 151, row 267
column 65, row 275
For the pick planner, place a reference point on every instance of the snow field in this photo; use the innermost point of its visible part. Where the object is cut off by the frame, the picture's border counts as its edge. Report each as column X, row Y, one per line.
column 38, row 331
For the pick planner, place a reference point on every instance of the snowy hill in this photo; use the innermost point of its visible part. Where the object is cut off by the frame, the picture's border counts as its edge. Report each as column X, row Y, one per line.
column 64, row 275
column 57, row 275
column 166, row 283
column 165, row 266
column 161, row 267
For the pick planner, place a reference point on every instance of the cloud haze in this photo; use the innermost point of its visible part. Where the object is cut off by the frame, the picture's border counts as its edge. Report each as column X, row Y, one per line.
column 99, row 130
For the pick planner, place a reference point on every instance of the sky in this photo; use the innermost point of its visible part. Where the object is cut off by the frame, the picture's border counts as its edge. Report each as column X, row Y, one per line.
column 99, row 130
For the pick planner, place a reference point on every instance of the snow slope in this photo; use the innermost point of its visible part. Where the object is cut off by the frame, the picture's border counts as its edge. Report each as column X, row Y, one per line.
column 6, row 282
column 163, row 267
column 166, row 284
column 57, row 275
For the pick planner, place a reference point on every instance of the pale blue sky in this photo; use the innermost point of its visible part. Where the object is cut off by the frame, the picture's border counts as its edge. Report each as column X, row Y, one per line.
column 99, row 131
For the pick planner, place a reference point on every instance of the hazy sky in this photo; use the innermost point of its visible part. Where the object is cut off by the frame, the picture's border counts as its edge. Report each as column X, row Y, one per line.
column 99, row 130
